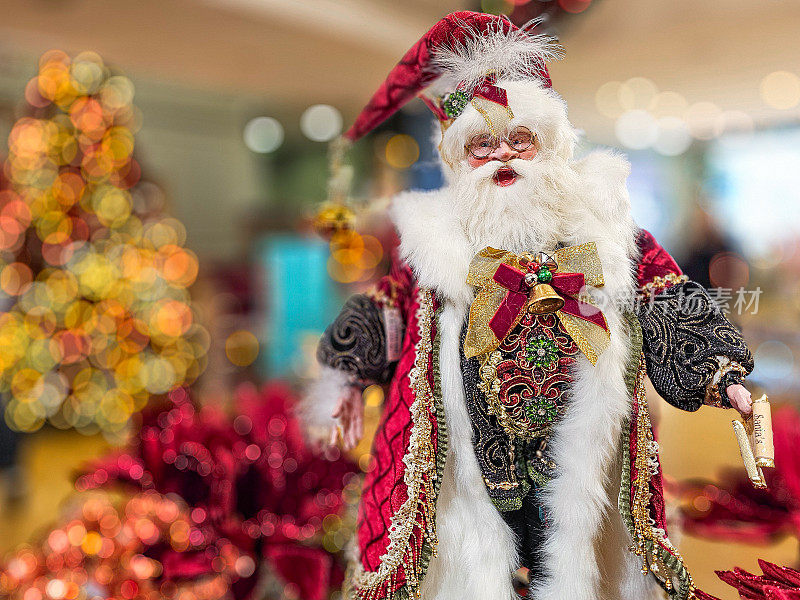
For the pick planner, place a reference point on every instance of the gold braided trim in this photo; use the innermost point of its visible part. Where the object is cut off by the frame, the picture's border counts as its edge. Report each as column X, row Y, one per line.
column 489, row 384
column 420, row 462
column 645, row 529
column 659, row 284
column 381, row 298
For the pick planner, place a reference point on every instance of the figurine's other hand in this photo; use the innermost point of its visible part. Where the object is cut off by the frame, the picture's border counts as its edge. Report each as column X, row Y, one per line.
column 350, row 415
column 740, row 399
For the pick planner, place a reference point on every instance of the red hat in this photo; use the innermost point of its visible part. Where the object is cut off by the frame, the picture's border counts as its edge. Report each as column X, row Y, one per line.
column 456, row 63
column 470, row 50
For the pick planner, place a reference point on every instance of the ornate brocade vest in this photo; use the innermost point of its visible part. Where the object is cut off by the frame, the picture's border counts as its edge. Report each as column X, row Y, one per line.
column 515, row 395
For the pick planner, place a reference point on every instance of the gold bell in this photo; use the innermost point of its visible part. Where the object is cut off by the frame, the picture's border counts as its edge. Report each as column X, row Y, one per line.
column 544, row 300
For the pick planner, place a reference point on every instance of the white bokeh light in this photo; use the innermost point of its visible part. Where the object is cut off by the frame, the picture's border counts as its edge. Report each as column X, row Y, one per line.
column 263, row 135
column 774, row 364
column 637, row 93
column 321, row 122
column 702, row 118
column 733, row 121
column 607, row 99
column 673, row 138
column 636, row 129
column 669, row 104
column 780, row 90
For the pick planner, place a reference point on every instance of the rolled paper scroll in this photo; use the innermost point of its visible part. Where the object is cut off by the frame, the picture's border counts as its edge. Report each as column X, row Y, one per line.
column 763, row 448
column 754, row 472
column 755, row 441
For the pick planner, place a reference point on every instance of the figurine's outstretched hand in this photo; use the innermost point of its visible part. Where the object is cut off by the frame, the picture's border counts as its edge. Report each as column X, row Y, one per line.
column 350, row 415
column 740, row 399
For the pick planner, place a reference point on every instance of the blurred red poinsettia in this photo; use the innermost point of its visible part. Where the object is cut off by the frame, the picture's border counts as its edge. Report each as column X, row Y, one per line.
column 250, row 480
column 734, row 510
column 776, row 583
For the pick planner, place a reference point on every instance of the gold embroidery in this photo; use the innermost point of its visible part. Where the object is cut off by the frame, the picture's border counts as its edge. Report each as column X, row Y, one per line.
column 645, row 528
column 497, row 116
column 527, row 406
column 420, row 462
column 505, row 485
column 659, row 284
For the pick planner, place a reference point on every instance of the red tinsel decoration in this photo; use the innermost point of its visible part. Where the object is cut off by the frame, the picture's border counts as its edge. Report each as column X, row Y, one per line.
column 250, row 480
column 777, row 583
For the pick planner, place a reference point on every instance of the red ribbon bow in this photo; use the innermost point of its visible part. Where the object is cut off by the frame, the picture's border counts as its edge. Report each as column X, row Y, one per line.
column 566, row 285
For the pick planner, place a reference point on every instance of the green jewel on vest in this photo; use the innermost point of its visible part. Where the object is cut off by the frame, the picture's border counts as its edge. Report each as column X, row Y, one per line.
column 543, row 275
column 541, row 352
column 541, row 410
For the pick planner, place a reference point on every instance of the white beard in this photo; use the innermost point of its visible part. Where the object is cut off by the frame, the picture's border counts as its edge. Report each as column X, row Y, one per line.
column 530, row 215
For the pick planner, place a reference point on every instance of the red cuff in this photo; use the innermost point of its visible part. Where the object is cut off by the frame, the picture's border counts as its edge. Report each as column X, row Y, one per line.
column 656, row 266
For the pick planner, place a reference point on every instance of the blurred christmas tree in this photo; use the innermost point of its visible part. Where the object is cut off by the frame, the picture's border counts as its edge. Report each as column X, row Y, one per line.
column 93, row 277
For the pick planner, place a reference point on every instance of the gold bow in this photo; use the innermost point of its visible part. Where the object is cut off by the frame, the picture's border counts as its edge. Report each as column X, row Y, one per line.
column 590, row 338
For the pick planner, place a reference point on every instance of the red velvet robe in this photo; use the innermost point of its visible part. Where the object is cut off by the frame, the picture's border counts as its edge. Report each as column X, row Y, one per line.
column 396, row 524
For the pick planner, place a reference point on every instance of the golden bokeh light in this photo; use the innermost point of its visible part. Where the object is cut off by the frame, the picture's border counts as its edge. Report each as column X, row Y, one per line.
column 668, row 104
column 497, row 7
column 702, row 118
column 241, row 348
column 15, row 278
column 607, row 99
column 637, row 93
column 353, row 256
column 101, row 317
column 99, row 549
column 373, row 395
column 402, row 151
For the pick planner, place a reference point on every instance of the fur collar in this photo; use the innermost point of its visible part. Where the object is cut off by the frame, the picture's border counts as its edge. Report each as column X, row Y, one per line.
column 580, row 500
column 434, row 245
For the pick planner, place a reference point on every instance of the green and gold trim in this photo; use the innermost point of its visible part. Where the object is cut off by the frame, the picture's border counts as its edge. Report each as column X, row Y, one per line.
column 658, row 555
column 423, row 476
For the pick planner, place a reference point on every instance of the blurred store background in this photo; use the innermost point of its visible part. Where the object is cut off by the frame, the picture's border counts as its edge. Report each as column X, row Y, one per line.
column 157, row 254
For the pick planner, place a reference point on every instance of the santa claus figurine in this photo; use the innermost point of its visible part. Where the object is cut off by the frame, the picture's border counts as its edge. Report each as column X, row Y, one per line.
column 514, row 335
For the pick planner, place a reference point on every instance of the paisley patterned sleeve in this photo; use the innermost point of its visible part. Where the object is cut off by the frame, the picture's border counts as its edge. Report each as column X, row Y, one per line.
column 356, row 342
column 363, row 340
column 692, row 351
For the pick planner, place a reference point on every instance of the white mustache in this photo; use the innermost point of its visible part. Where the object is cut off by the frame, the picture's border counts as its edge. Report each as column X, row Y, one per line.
column 491, row 168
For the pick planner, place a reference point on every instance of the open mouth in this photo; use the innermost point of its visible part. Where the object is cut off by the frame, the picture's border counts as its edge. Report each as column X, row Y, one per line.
column 505, row 176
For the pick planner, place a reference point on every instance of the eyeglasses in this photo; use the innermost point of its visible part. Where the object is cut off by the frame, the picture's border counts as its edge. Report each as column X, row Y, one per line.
column 519, row 140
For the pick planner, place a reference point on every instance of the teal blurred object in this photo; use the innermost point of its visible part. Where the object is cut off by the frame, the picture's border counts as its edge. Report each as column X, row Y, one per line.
column 298, row 297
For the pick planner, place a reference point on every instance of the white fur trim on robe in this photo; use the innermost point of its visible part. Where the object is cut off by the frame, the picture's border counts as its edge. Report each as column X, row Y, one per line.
column 320, row 399
column 581, row 500
column 476, row 546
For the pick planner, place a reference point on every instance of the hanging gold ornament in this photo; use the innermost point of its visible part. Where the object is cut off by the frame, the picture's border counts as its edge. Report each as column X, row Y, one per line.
column 332, row 218
column 335, row 215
